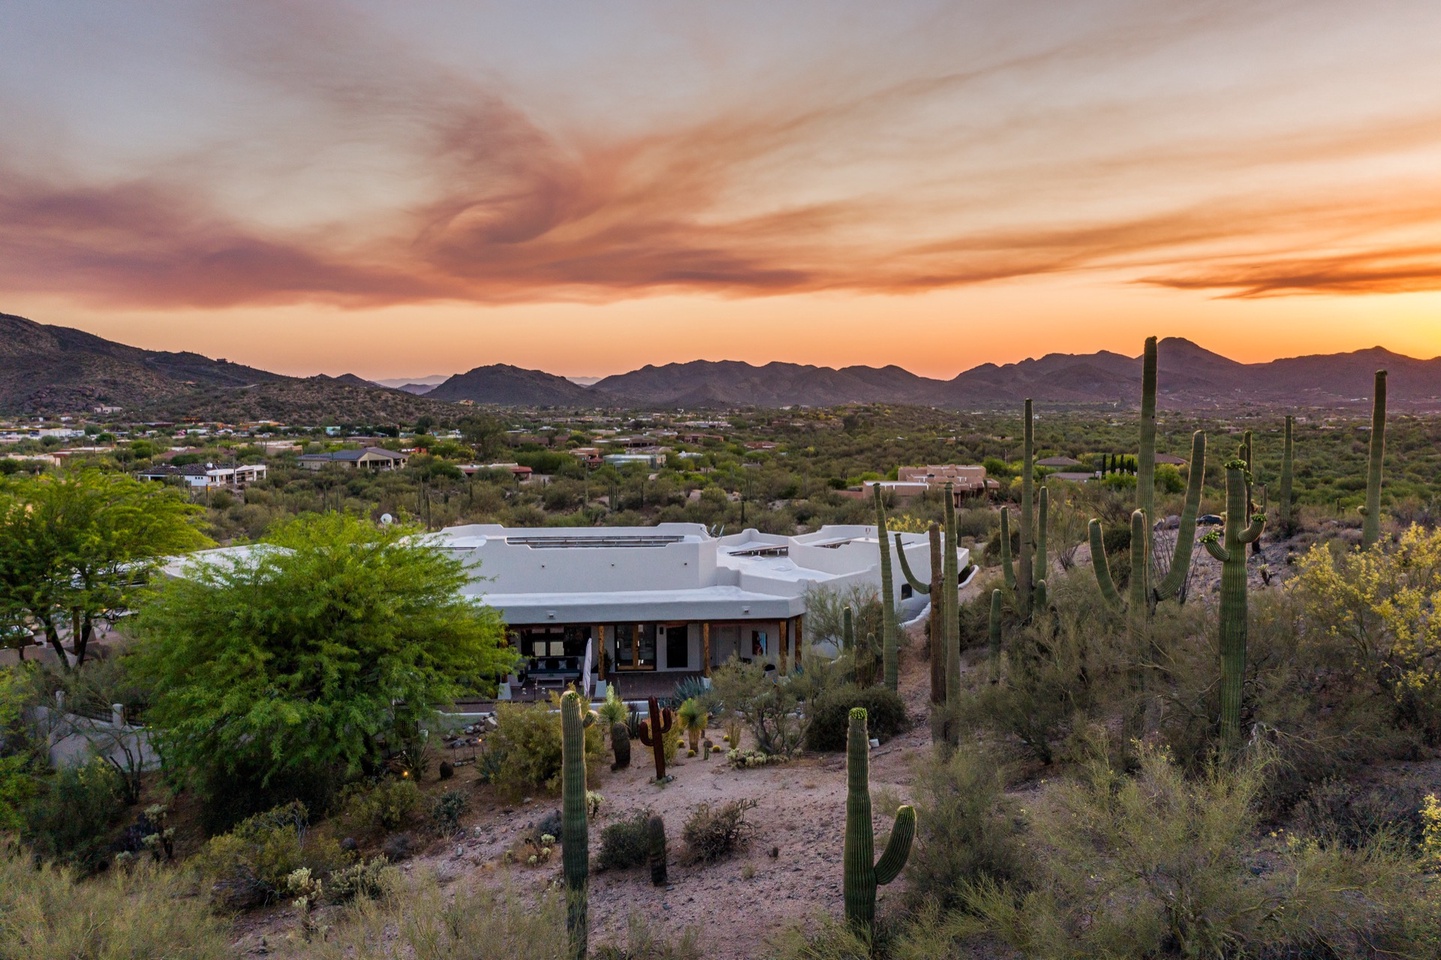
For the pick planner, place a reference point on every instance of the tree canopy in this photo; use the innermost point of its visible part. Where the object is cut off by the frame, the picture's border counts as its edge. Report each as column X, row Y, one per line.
column 292, row 659
column 75, row 546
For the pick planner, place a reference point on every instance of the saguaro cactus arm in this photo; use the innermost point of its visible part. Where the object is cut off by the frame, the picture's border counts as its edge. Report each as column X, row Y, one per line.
column 916, row 585
column 1212, row 543
column 1102, row 567
column 898, row 847
column 1170, row 585
column 1146, row 458
column 1140, row 540
column 1041, row 571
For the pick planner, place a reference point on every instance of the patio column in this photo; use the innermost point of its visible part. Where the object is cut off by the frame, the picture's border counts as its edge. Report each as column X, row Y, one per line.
column 600, row 653
column 705, row 649
column 785, row 639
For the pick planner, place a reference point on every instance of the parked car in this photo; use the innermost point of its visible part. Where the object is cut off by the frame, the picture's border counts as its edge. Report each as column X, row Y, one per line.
column 1210, row 520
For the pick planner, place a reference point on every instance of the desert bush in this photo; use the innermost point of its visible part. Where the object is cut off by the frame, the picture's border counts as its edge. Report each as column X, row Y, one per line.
column 641, row 943
column 966, row 828
column 1353, row 815
column 47, row 913
column 378, row 806
column 446, row 811
column 249, row 865
column 417, row 919
column 769, row 707
column 746, row 759
column 1159, row 865
column 399, row 847
column 712, row 833
column 828, row 939
column 625, row 843
column 526, row 747
column 830, row 715
column 71, row 817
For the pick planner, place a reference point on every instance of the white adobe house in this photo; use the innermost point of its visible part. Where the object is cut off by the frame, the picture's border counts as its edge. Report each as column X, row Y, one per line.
column 668, row 598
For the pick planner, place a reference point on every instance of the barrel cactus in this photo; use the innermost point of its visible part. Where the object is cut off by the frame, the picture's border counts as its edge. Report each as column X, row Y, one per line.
column 620, row 744
column 655, row 835
column 862, row 872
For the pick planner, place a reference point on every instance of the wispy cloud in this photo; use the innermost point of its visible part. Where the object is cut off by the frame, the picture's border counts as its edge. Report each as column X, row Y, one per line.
column 898, row 184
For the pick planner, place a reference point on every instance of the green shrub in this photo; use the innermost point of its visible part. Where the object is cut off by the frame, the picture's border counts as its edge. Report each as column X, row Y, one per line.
column 47, row 913
column 713, row 833
column 1157, row 865
column 446, row 811
column 1340, row 812
column 377, row 807
column 769, row 707
column 416, row 918
column 525, row 748
column 71, row 818
column 249, row 865
column 967, row 830
column 830, row 715
column 641, row 943
column 625, row 843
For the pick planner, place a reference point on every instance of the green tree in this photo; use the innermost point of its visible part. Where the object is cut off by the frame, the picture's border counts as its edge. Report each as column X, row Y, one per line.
column 292, row 660
column 16, row 782
column 75, row 546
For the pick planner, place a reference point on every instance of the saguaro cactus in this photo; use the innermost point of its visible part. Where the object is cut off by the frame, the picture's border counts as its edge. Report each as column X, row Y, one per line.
column 574, row 828
column 653, row 731
column 937, row 620
column 1026, row 575
column 995, row 635
column 1371, row 513
column 655, row 834
column 1287, row 515
column 952, row 606
column 1146, row 457
column 862, row 873
column 890, row 654
column 1174, row 582
column 1232, row 554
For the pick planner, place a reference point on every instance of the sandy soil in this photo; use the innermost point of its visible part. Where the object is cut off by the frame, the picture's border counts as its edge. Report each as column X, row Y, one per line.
column 793, row 858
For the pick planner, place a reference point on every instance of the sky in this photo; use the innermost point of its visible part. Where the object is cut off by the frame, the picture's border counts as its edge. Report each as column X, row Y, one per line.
column 586, row 187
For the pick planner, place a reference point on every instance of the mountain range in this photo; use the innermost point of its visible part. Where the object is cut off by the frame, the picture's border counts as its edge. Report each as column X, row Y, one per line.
column 48, row 369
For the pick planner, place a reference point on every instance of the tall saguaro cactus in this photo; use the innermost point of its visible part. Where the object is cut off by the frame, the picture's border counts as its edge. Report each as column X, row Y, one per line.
column 1026, row 575
column 952, row 605
column 652, row 734
column 1371, row 521
column 890, row 653
column 1146, row 458
column 574, row 830
column 937, row 617
column 1287, row 509
column 862, row 872
column 1232, row 554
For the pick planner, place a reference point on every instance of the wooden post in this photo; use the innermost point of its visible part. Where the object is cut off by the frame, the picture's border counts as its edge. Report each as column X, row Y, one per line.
column 785, row 639
column 600, row 654
column 705, row 649
column 800, row 627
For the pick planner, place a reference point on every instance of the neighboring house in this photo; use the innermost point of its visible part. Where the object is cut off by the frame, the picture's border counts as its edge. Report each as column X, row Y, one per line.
column 623, row 459
column 366, row 458
column 203, row 476
column 968, row 480
column 1058, row 463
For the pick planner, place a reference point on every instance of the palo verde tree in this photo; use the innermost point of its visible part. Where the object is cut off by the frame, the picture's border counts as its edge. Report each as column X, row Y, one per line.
column 291, row 661
column 75, row 547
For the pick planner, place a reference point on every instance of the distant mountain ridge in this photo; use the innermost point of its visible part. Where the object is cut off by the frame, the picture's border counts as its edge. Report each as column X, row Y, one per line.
column 46, row 369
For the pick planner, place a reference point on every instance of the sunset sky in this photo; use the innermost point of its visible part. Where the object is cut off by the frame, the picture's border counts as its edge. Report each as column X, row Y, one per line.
column 418, row 188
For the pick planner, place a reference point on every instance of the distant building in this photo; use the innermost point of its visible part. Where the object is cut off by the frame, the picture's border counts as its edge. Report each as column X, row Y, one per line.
column 1058, row 463
column 367, row 458
column 202, row 476
column 623, row 459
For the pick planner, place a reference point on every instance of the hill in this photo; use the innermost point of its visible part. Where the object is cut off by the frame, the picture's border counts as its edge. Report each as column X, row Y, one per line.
column 49, row 370
column 501, row 383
